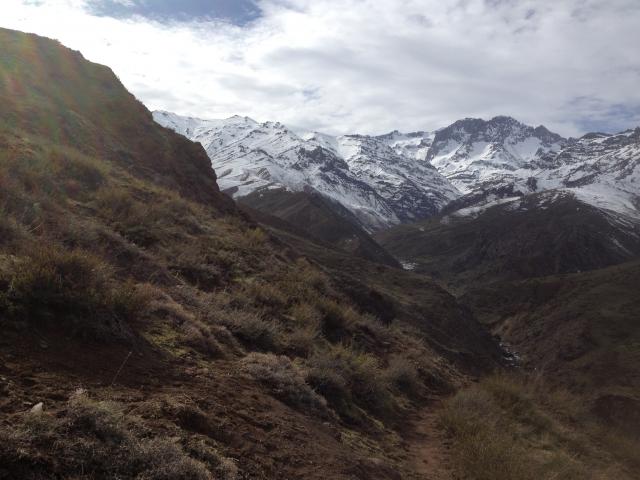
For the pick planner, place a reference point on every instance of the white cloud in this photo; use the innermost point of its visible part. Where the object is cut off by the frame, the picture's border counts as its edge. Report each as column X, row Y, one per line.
column 373, row 65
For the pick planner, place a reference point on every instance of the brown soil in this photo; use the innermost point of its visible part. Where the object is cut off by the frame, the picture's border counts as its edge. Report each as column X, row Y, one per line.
column 427, row 446
column 266, row 438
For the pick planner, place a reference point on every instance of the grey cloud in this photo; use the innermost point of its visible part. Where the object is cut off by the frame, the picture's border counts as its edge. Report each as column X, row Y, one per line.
column 372, row 66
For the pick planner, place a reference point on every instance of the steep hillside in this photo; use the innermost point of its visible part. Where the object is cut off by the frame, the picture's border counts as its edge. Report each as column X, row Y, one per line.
column 503, row 157
column 57, row 95
column 581, row 329
column 377, row 184
column 320, row 218
column 515, row 238
column 151, row 330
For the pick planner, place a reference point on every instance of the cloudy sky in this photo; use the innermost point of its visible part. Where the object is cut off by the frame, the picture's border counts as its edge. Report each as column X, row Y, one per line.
column 367, row 66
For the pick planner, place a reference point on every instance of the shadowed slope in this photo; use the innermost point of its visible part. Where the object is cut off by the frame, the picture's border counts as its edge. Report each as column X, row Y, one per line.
column 53, row 92
column 209, row 348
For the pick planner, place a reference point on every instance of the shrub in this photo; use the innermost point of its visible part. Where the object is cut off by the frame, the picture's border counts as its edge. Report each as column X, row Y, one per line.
column 167, row 461
column 327, row 376
column 10, row 230
column 403, row 375
column 266, row 295
column 97, row 437
column 200, row 337
column 103, row 420
column 149, row 220
column 285, row 380
column 255, row 237
column 337, row 320
column 194, row 271
column 305, row 314
column 253, row 330
column 304, row 282
column 470, row 417
column 491, row 427
column 343, row 375
column 72, row 289
column 85, row 172
column 224, row 468
column 301, row 341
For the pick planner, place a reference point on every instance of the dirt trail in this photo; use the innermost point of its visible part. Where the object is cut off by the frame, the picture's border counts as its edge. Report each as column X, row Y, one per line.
column 427, row 446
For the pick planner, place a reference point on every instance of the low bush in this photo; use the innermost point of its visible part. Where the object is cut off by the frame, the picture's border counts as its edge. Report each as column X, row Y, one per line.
column 285, row 380
column 200, row 338
column 344, row 376
column 302, row 340
column 10, row 230
column 253, row 330
column 500, row 432
column 73, row 290
column 266, row 295
column 149, row 220
column 305, row 314
column 99, row 439
column 402, row 374
column 78, row 172
column 304, row 282
column 337, row 320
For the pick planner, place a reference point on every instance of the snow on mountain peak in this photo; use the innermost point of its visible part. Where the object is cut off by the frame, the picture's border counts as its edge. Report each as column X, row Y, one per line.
column 375, row 181
column 403, row 177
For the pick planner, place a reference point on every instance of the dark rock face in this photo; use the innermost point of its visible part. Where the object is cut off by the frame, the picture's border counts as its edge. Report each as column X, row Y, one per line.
column 497, row 130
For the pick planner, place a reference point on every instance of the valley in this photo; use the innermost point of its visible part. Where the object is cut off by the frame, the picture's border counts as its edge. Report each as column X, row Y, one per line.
column 227, row 299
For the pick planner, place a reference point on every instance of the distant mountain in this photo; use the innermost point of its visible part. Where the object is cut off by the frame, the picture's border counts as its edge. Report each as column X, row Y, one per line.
column 474, row 152
column 540, row 234
column 379, row 184
column 313, row 216
column 499, row 158
column 402, row 178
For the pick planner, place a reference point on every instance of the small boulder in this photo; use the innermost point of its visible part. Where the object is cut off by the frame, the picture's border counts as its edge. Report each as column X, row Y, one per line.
column 37, row 409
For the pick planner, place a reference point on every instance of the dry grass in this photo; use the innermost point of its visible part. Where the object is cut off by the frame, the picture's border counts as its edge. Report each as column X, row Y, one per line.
column 253, row 330
column 403, row 375
column 513, row 428
column 99, row 439
column 285, row 379
column 74, row 290
column 344, row 376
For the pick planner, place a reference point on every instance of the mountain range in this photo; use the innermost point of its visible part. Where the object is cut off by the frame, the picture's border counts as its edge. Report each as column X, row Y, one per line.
column 451, row 304
column 402, row 178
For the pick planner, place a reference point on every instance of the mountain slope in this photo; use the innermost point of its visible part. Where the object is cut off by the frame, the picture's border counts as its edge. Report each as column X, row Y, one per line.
column 151, row 329
column 503, row 157
column 401, row 178
column 101, row 119
column 320, row 218
column 473, row 152
column 519, row 237
column 581, row 328
column 364, row 174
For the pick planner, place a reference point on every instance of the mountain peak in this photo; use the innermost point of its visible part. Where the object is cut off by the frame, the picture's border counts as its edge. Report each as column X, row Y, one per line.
column 373, row 177
column 505, row 119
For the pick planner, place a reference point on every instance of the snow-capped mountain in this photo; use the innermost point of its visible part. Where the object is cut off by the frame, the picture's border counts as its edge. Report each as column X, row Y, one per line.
column 491, row 160
column 599, row 169
column 400, row 178
column 380, row 185
column 412, row 145
column 473, row 152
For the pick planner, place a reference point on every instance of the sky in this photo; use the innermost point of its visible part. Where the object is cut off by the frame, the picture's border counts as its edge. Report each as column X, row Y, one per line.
column 362, row 66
